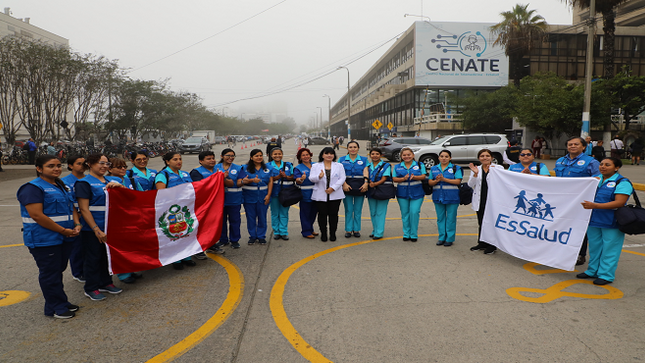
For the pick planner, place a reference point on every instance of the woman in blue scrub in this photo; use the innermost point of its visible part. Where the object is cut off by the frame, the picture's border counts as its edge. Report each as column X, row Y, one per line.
column 377, row 173
column 233, row 199
column 605, row 239
column 171, row 176
column 282, row 173
column 308, row 209
column 355, row 187
column 446, row 178
column 50, row 221
column 257, row 188
column 409, row 193
column 528, row 166
column 90, row 193
column 76, row 164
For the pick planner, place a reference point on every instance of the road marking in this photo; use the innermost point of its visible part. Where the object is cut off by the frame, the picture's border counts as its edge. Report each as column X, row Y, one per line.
column 636, row 245
column 10, row 297
column 20, row 244
column 556, row 291
column 634, row 253
column 530, row 267
column 9, row 205
column 235, row 292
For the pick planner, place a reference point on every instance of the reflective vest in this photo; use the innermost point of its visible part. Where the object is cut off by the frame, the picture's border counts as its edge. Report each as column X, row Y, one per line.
column 410, row 189
column 57, row 205
column 376, row 175
column 126, row 182
column 518, row 168
column 70, row 180
column 275, row 169
column 575, row 168
column 353, row 169
column 232, row 195
column 173, row 179
column 97, row 202
column 605, row 193
column 443, row 192
column 307, row 186
column 146, row 183
column 255, row 192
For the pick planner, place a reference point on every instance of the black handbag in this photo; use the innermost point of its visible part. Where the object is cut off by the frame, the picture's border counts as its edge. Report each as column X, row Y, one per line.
column 384, row 191
column 631, row 218
column 355, row 184
column 290, row 195
column 427, row 188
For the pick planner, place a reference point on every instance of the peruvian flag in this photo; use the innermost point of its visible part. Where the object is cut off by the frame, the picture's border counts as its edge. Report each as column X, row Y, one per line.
column 151, row 229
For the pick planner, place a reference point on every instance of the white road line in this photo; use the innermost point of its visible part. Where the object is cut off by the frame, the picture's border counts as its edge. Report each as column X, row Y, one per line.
column 636, row 245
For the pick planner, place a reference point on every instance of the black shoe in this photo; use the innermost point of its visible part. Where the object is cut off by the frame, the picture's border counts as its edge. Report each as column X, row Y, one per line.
column 222, row 244
column 413, row 239
column 129, row 280
column 323, row 236
column 201, row 256
column 348, row 234
column 406, row 239
column 178, row 266
column 73, row 308
column 371, row 235
column 584, row 276
column 601, row 282
column 375, row 238
column 581, row 260
column 235, row 245
column 277, row 237
column 137, row 275
column 251, row 241
column 66, row 315
column 332, row 237
column 262, row 241
column 190, row 263
column 490, row 250
column 286, row 238
column 439, row 243
column 447, row 244
column 477, row 248
column 357, row 234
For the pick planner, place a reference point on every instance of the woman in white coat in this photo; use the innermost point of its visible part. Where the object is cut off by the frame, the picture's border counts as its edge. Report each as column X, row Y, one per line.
column 328, row 177
column 479, row 184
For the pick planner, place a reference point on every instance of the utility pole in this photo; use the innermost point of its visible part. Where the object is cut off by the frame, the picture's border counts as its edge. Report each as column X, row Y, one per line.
column 586, row 111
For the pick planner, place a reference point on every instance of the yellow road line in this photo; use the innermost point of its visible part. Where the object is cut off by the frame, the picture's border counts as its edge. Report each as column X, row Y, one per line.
column 12, row 245
column 635, row 253
column 235, row 291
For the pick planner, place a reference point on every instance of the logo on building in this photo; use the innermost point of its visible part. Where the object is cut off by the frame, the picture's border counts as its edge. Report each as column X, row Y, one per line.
column 468, row 43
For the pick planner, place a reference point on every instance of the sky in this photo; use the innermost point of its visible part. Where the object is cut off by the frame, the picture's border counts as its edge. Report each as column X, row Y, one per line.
column 227, row 51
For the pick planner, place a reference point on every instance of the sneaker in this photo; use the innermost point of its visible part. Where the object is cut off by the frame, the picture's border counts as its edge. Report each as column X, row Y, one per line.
column 190, row 263
column 477, row 248
column 286, row 238
column 95, row 295
column 447, row 244
column 215, row 250
column 73, row 308
column 584, row 276
column 129, row 280
column 439, row 243
column 111, row 289
column 263, row 241
column 277, row 236
column 222, row 244
column 251, row 241
column 201, row 256
column 235, row 245
column 178, row 266
column 601, row 282
column 80, row 279
column 66, row 315
column 357, row 234
column 490, row 250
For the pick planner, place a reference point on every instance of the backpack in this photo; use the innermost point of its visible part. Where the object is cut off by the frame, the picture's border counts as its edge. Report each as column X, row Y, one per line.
column 25, row 146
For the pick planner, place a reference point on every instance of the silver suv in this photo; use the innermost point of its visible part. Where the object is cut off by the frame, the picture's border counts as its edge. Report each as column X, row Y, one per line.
column 464, row 148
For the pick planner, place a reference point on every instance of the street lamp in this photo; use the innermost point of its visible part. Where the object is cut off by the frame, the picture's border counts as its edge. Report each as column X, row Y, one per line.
column 321, row 119
column 329, row 121
column 349, row 104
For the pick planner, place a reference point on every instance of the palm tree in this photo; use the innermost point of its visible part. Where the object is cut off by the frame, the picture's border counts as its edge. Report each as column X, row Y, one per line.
column 607, row 9
column 518, row 33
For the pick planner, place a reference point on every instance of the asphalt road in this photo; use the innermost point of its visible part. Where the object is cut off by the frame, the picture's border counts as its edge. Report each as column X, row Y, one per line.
column 354, row 300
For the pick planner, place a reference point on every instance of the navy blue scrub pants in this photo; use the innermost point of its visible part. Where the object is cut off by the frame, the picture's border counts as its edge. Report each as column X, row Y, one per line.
column 77, row 257
column 256, row 219
column 51, row 262
column 96, row 263
column 233, row 218
column 308, row 212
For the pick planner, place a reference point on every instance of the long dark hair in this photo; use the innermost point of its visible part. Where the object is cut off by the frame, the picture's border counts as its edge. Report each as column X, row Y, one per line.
column 326, row 150
column 40, row 163
column 250, row 166
column 224, row 152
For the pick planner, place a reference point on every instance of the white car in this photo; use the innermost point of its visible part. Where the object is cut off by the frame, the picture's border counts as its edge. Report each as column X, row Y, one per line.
column 464, row 148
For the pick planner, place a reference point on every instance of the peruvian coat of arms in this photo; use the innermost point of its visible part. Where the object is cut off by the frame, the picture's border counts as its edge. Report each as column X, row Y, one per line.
column 176, row 222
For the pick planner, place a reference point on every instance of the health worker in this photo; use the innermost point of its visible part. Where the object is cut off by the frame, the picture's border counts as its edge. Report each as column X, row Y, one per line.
column 256, row 189
column 377, row 173
column 172, row 175
column 528, row 166
column 446, row 178
column 308, row 210
column 479, row 182
column 76, row 164
column 605, row 239
column 50, row 222
column 409, row 192
column 355, row 188
column 140, row 172
column 282, row 176
column 328, row 177
column 207, row 168
column 90, row 193
column 233, row 199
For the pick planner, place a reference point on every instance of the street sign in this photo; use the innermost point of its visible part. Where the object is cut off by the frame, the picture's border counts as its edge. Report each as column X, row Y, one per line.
column 390, row 126
column 377, row 124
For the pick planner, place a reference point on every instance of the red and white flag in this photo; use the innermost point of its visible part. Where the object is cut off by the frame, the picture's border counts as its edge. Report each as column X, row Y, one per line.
column 151, row 229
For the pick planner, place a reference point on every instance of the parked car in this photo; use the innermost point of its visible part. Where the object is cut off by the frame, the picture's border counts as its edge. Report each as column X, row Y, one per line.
column 464, row 148
column 317, row 140
column 219, row 140
column 392, row 147
column 194, row 145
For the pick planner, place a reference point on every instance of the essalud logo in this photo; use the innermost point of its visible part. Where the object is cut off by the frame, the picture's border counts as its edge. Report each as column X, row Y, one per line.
column 177, row 222
column 535, row 208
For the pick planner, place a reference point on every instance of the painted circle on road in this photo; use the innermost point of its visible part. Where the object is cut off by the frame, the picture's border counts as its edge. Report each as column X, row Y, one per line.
column 10, row 297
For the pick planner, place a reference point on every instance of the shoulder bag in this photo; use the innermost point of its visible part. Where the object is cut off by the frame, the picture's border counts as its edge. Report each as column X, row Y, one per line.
column 631, row 218
column 384, row 191
column 289, row 195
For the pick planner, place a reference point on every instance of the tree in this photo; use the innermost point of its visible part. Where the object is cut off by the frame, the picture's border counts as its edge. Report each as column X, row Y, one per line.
column 627, row 93
column 518, row 33
column 608, row 10
column 9, row 87
column 489, row 111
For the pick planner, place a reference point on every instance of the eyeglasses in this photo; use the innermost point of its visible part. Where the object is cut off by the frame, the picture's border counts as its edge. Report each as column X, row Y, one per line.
column 229, row 156
column 121, row 167
column 141, row 159
column 108, row 164
column 529, row 154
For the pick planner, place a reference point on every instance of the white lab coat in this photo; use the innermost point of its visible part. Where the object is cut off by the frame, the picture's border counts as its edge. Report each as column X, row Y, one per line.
column 336, row 181
column 476, row 184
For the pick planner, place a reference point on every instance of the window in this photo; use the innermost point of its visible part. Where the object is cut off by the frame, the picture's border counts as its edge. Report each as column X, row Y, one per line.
column 492, row 139
column 476, row 140
column 459, row 140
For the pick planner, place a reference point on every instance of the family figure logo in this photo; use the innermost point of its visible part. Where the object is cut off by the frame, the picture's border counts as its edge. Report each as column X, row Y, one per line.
column 536, row 208
column 467, row 43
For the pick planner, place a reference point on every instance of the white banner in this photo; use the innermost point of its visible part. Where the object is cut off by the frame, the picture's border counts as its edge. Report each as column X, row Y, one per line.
column 535, row 218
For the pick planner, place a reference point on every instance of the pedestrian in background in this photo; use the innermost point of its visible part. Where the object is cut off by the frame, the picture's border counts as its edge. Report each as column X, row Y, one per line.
column 31, row 151
column 328, row 177
column 49, row 222
column 409, row 192
column 308, row 210
column 536, row 145
column 446, row 178
column 598, row 151
column 355, row 187
column 617, row 147
column 636, row 150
